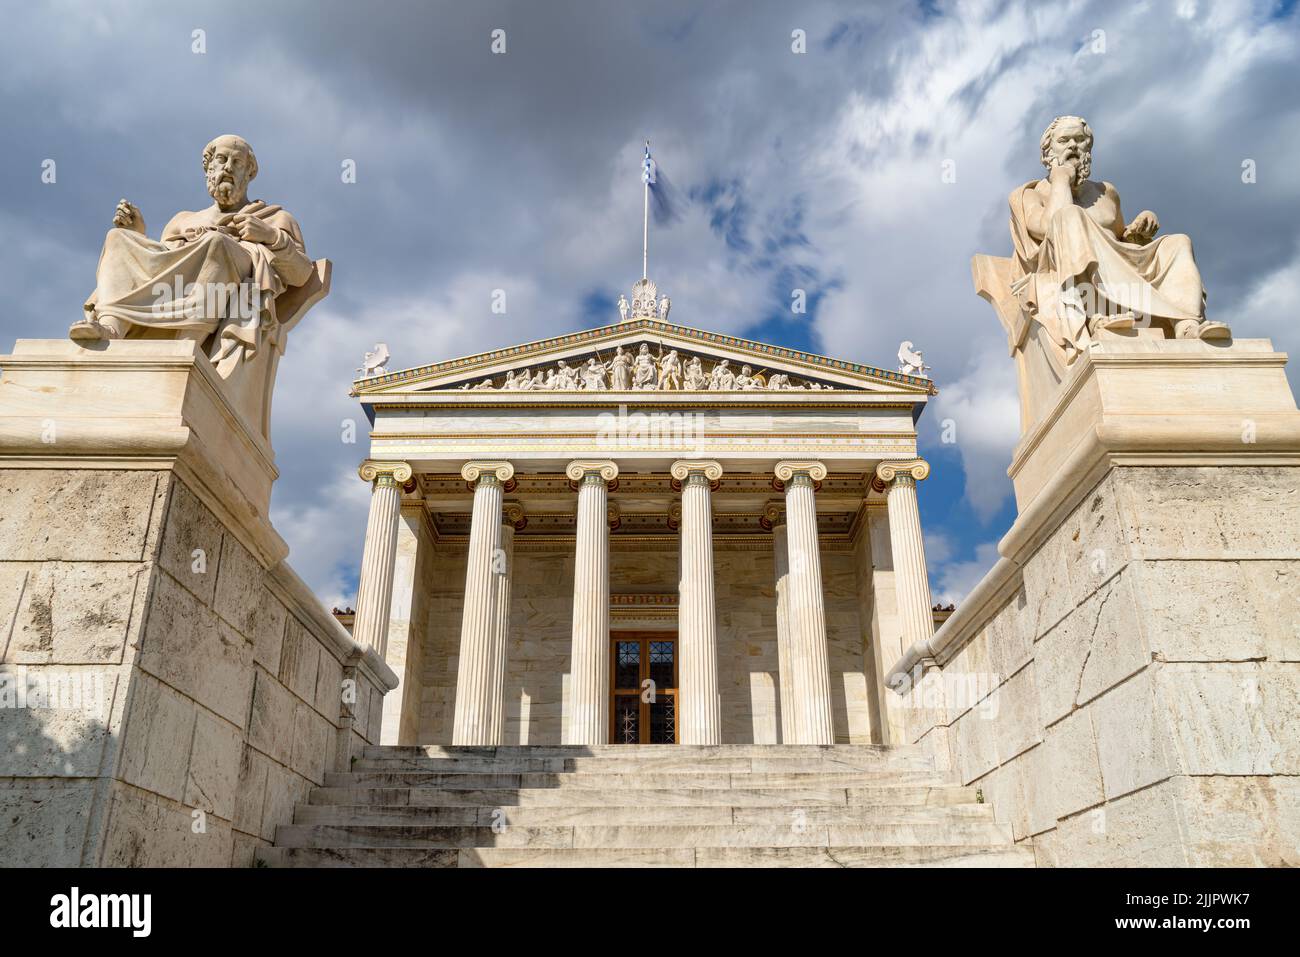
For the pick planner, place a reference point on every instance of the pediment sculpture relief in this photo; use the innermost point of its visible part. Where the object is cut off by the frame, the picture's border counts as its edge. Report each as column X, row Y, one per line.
column 644, row 371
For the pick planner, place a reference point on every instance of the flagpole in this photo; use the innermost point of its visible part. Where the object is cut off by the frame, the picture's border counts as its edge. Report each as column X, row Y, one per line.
column 645, row 223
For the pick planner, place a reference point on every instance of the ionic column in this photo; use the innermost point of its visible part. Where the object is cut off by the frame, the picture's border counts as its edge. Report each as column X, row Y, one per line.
column 375, row 590
column 504, row 570
column 476, row 670
column 809, row 665
column 774, row 520
column 700, row 706
column 911, row 582
column 589, row 667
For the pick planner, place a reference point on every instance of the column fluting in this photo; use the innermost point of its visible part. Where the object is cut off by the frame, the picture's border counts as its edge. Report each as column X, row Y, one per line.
column 785, row 687
column 699, row 711
column 590, row 662
column 379, row 555
column 503, row 570
column 911, row 581
column 809, row 664
column 475, row 671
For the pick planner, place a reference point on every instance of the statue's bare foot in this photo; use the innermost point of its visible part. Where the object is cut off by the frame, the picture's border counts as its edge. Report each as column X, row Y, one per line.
column 88, row 330
column 1115, row 323
column 1202, row 329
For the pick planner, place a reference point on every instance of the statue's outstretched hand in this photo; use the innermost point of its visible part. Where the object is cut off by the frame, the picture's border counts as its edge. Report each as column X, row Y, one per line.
column 1143, row 228
column 127, row 216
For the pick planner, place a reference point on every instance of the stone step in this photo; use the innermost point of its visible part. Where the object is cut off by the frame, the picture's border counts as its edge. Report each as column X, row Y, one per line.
column 935, row 833
column 339, row 814
column 642, row 779
column 649, row 751
column 854, row 856
column 884, row 794
column 624, row 764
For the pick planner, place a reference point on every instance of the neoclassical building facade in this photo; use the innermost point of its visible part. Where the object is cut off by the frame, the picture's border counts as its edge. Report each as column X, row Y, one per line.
column 642, row 533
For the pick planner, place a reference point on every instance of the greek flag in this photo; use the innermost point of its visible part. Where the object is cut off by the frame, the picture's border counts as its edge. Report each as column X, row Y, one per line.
column 664, row 199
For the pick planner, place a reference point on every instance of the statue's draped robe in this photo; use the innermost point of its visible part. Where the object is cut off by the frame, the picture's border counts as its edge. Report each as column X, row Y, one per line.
column 199, row 274
column 1160, row 279
column 622, row 372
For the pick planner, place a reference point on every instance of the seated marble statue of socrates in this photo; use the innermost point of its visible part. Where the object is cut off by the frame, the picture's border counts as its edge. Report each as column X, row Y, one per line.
column 1078, row 268
column 215, row 271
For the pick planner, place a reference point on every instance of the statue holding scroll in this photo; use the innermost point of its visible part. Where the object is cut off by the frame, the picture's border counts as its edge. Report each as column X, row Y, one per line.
column 233, row 277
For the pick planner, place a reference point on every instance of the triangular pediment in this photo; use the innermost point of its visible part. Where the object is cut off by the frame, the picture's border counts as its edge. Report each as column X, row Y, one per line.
column 695, row 360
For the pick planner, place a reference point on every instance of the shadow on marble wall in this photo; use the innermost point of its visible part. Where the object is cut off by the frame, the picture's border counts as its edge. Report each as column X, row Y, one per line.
column 48, row 780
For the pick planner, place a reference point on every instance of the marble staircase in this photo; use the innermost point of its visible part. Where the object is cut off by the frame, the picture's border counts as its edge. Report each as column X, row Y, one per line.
column 643, row 806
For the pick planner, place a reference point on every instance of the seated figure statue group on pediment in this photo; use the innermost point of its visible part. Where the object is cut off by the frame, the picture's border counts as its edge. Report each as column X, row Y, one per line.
column 644, row 372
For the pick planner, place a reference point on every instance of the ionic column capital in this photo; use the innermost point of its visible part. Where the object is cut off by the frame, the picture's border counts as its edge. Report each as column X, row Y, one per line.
column 513, row 515
column 473, row 471
column 890, row 473
column 385, row 473
column 579, row 469
column 787, row 469
column 683, row 468
column 773, row 514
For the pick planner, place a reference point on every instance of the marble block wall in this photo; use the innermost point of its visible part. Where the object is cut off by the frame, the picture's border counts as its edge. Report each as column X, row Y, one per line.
column 164, row 698
column 1137, row 700
column 540, row 637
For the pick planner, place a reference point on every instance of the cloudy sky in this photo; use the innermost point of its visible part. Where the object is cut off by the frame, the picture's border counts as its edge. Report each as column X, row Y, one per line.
column 820, row 170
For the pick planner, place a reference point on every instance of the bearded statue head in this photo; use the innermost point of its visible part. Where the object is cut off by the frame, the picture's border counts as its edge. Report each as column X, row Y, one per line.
column 229, row 165
column 1068, row 142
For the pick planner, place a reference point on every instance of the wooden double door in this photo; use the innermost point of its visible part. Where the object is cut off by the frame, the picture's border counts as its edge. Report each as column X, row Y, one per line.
column 643, row 688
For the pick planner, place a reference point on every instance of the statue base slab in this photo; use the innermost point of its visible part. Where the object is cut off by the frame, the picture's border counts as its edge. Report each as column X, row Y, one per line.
column 138, row 404
column 1141, row 400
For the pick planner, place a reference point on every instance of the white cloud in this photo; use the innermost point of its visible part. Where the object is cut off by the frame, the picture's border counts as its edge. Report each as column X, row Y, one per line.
column 325, row 534
column 981, row 411
column 951, row 582
column 1270, row 308
column 521, row 173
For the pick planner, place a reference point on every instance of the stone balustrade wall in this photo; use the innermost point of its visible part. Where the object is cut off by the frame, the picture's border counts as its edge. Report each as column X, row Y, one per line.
column 1133, row 698
column 164, row 698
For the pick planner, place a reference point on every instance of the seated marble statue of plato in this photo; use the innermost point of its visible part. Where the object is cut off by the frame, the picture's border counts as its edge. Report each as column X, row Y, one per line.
column 213, row 275
column 1078, row 268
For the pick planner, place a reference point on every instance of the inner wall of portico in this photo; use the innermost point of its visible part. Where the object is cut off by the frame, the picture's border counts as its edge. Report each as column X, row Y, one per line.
column 541, row 635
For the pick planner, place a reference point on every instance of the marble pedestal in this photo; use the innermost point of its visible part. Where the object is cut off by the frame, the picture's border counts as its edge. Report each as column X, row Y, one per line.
column 170, row 687
column 1123, row 684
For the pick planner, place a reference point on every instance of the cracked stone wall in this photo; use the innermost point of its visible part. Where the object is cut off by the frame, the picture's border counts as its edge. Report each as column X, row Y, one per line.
column 161, row 703
column 1137, row 702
